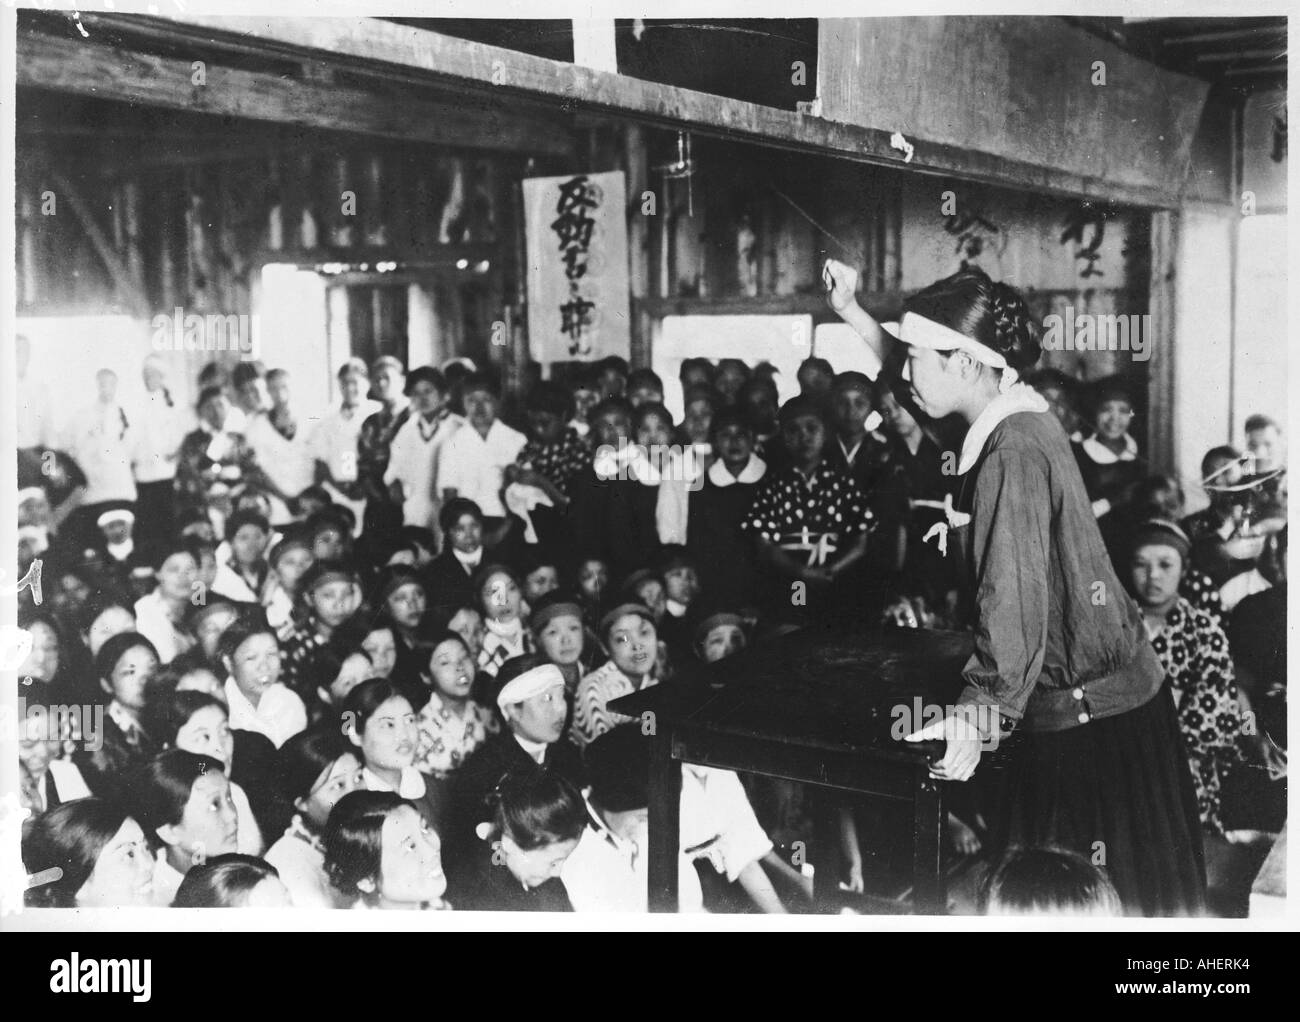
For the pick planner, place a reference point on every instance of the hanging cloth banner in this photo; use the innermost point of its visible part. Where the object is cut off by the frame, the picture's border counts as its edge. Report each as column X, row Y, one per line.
column 576, row 232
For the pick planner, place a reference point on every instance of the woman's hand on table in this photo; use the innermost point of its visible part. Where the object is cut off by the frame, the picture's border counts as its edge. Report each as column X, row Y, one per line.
column 965, row 743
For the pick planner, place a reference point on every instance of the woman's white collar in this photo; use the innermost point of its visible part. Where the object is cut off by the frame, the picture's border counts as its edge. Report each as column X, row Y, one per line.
column 1019, row 398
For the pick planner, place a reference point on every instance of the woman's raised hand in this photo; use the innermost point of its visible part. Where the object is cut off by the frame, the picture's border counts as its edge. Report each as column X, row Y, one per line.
column 841, row 282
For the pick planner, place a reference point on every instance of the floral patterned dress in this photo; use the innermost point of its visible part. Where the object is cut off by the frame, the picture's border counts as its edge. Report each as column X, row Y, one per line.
column 447, row 738
column 1193, row 650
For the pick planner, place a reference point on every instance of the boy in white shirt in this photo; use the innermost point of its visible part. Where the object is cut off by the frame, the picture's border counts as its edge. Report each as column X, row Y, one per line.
column 475, row 459
column 608, row 871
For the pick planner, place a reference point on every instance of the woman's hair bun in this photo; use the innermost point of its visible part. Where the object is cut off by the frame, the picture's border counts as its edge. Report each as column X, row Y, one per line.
column 1017, row 338
column 993, row 313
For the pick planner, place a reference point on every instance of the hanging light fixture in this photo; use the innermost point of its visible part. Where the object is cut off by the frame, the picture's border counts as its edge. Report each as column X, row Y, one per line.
column 683, row 167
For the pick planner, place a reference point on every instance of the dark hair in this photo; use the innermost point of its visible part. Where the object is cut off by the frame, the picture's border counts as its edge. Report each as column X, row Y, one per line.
column 171, row 711
column 69, row 837
column 611, row 404
column 551, row 398
column 1256, row 422
column 536, row 808
column 98, row 603
column 364, row 699
column 693, row 363
column 1048, row 880
column 802, row 405
column 115, row 648
column 481, row 380
column 1224, row 452
column 435, row 639
column 730, row 416
column 159, row 551
column 209, row 393
column 307, row 755
column 354, row 839
column 758, row 382
column 644, row 377
column 246, row 372
column 615, row 363
column 819, row 364
column 618, row 766
column 643, row 412
column 426, row 374
column 248, row 624
column 246, row 517
column 159, row 789
column 455, row 509
column 992, row 313
column 223, row 881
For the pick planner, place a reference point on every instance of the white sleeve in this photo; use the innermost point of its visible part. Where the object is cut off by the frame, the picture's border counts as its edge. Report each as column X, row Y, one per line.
column 741, row 839
column 451, row 472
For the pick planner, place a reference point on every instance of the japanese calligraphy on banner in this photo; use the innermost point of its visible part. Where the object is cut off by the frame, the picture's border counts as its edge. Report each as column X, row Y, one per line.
column 577, row 266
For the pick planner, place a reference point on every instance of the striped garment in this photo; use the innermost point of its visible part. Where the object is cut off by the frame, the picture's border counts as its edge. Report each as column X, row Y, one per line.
column 591, row 716
column 501, row 643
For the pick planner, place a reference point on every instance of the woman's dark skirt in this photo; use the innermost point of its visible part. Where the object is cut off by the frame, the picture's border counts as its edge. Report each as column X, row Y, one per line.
column 1119, row 792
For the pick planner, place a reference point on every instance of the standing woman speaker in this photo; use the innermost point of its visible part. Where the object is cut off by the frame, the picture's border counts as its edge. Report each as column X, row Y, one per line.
column 1060, row 650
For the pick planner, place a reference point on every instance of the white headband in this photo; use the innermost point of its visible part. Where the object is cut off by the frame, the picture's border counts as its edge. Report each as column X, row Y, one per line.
column 529, row 684
column 920, row 332
column 118, row 515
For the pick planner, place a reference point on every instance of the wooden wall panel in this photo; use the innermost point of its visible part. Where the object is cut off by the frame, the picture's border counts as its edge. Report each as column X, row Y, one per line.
column 1015, row 87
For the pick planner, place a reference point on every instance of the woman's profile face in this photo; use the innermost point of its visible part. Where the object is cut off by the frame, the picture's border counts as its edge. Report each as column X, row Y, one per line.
column 209, row 824
column 207, row 733
column 534, row 867
column 933, row 380
column 1156, row 572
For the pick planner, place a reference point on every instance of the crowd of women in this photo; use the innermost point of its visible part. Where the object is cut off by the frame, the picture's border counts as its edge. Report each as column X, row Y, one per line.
column 368, row 661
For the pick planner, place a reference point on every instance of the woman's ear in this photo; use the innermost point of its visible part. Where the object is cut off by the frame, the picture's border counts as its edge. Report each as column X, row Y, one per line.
column 229, row 665
column 107, row 686
column 300, row 804
column 168, row 834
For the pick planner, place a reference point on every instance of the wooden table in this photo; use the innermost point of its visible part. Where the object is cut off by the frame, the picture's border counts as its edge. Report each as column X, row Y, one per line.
column 815, row 706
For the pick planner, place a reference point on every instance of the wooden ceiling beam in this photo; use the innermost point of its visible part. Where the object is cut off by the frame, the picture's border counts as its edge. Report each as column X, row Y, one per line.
column 481, row 72
column 85, row 68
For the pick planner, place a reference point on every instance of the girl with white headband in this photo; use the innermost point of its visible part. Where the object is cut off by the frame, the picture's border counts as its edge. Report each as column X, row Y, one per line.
column 1061, row 655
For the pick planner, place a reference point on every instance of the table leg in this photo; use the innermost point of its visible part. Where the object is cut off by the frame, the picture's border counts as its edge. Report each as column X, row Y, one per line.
column 929, row 888
column 664, row 823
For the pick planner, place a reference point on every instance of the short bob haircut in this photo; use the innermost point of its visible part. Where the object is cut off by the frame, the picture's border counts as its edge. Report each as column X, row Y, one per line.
column 69, row 837
column 456, row 509
column 551, row 398
column 362, row 702
column 249, row 623
column 307, row 755
column 1043, row 881
column 537, row 808
column 171, row 711
column 223, row 881
column 354, row 840
column 160, row 789
column 117, row 647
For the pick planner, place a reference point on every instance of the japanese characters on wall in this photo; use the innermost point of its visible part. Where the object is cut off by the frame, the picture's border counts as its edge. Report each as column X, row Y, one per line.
column 577, row 266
